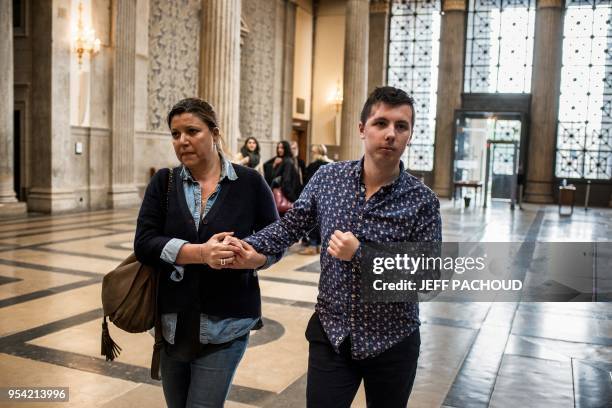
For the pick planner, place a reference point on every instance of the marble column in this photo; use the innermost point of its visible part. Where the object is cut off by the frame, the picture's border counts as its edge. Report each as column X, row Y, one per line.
column 378, row 43
column 220, row 65
column 288, row 63
column 9, row 205
column 545, row 90
column 123, row 191
column 355, row 77
column 52, row 151
column 450, row 86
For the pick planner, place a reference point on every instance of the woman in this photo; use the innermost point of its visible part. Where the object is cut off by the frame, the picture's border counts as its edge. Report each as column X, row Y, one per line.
column 318, row 154
column 286, row 174
column 249, row 154
column 206, row 310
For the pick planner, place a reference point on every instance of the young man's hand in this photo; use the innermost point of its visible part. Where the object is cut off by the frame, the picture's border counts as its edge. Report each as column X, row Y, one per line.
column 246, row 256
column 343, row 245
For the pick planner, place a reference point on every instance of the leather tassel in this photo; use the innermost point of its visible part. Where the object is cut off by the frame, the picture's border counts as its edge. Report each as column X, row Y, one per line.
column 109, row 348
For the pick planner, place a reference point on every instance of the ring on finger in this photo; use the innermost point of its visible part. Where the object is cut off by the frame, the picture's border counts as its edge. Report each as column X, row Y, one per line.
column 222, row 261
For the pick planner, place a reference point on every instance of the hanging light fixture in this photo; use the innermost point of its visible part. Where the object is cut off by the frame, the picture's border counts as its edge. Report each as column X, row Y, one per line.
column 85, row 40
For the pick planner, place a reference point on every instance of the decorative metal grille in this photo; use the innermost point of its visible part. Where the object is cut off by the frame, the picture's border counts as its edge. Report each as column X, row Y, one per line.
column 413, row 66
column 584, row 139
column 499, row 46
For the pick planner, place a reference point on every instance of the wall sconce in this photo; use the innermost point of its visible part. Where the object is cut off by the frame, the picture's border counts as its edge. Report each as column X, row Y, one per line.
column 85, row 40
column 338, row 97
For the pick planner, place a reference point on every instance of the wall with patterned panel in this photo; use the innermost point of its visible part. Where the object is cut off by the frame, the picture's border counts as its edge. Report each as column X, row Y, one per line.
column 257, row 70
column 174, row 44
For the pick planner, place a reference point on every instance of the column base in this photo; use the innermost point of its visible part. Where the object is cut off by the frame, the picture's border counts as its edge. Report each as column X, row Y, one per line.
column 55, row 200
column 124, row 196
column 14, row 209
column 539, row 192
column 442, row 191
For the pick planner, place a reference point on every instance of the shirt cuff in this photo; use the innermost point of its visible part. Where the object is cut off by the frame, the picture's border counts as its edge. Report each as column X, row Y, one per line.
column 177, row 273
column 171, row 250
column 271, row 260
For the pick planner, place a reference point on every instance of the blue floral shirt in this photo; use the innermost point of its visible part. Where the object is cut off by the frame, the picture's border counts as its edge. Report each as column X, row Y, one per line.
column 403, row 211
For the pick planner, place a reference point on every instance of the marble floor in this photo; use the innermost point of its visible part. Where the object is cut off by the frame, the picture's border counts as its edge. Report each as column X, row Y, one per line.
column 473, row 354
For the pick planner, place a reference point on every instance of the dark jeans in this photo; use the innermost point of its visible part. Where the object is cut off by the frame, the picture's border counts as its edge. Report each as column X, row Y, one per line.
column 333, row 379
column 205, row 381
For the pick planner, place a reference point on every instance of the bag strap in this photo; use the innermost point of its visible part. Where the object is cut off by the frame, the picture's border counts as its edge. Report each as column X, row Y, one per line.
column 159, row 339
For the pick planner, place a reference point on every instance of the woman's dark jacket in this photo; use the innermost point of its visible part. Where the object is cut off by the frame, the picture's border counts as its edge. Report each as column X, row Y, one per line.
column 312, row 169
column 244, row 206
column 290, row 182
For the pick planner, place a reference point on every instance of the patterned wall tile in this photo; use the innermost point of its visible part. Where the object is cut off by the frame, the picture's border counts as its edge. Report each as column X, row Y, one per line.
column 257, row 69
column 174, row 44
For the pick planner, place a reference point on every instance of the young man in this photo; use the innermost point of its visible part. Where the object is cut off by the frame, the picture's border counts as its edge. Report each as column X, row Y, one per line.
column 370, row 200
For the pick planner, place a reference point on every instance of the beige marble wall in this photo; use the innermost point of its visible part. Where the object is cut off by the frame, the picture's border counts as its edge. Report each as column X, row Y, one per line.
column 327, row 70
column 153, row 150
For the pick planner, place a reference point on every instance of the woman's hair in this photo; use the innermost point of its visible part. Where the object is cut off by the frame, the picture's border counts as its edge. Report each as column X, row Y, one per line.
column 286, row 148
column 244, row 147
column 203, row 110
column 320, row 153
column 320, row 150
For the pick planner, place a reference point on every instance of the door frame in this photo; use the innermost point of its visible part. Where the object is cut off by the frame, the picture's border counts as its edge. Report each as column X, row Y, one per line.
column 480, row 114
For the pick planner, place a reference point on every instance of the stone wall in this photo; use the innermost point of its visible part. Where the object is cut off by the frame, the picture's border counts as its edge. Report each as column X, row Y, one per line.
column 257, row 69
column 174, row 32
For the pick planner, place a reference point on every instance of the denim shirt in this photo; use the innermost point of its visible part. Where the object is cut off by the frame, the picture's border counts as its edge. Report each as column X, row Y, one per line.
column 213, row 329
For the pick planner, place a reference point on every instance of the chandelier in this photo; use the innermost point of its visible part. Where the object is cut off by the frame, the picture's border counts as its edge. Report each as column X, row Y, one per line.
column 85, row 40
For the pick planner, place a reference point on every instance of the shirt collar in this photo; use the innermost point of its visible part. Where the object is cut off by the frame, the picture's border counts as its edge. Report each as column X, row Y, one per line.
column 227, row 171
column 358, row 170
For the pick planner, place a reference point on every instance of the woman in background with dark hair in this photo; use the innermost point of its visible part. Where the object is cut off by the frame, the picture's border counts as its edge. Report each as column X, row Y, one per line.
column 249, row 155
column 286, row 175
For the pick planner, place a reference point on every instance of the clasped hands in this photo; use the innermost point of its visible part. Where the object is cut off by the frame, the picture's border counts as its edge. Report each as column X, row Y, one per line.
column 223, row 250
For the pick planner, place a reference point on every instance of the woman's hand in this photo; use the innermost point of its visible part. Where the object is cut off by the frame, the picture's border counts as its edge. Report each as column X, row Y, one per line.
column 215, row 253
column 343, row 245
column 277, row 162
column 245, row 161
column 246, row 256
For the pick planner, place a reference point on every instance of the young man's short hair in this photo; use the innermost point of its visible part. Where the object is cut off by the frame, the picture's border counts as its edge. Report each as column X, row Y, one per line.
column 390, row 96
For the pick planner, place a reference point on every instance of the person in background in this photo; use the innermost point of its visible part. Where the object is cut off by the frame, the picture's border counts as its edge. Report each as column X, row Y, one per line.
column 268, row 168
column 318, row 154
column 301, row 166
column 249, row 155
column 286, row 172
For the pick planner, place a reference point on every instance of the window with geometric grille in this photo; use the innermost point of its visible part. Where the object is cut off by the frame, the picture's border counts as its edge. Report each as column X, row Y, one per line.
column 414, row 39
column 499, row 46
column 584, row 140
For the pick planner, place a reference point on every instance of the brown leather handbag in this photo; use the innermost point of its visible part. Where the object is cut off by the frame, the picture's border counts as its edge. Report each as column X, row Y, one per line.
column 129, row 300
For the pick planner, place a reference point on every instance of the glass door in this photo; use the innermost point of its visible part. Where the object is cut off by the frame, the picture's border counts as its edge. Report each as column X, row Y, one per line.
column 487, row 156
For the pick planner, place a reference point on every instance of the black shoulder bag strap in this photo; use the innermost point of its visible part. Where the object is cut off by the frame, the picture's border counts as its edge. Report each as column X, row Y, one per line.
column 159, row 339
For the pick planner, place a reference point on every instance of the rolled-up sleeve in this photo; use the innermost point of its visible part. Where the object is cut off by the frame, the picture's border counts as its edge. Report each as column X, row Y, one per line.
column 169, row 255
